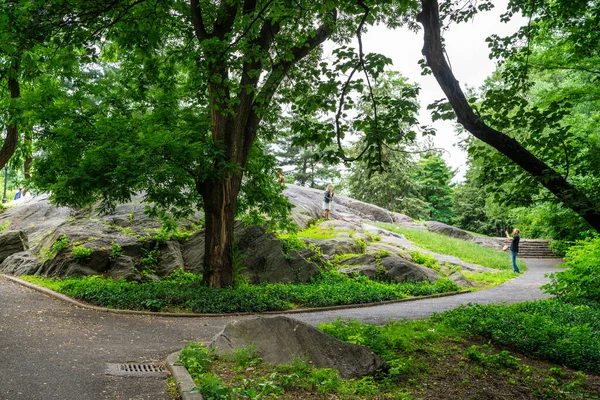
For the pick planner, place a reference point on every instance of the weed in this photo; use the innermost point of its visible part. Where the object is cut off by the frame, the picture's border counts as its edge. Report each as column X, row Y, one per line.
column 149, row 262
column 115, row 250
column 81, row 254
column 4, row 226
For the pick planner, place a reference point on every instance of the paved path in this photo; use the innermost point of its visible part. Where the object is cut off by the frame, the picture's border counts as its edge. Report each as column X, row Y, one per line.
column 52, row 350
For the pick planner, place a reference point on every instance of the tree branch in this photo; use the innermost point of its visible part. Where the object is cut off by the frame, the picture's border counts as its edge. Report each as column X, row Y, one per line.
column 278, row 72
column 544, row 174
column 197, row 20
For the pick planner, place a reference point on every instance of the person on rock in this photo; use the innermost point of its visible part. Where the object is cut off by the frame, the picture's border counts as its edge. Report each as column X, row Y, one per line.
column 327, row 201
column 514, row 247
column 19, row 194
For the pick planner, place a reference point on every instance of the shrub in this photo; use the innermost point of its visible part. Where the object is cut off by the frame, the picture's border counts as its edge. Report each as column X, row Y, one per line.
column 581, row 279
column 292, row 243
column 560, row 332
column 4, row 226
column 81, row 253
column 425, row 260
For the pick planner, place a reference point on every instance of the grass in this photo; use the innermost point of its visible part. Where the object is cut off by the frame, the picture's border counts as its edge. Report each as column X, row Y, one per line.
column 184, row 292
column 465, row 250
column 431, row 359
column 487, row 280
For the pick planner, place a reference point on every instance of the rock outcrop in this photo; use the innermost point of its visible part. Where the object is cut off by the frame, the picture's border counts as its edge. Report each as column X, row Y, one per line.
column 281, row 340
column 12, row 242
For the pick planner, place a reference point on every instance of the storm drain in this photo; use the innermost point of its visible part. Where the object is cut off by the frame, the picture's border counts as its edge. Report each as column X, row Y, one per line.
column 136, row 369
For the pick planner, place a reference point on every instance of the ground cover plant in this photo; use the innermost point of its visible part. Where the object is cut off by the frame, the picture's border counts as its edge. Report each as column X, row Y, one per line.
column 183, row 291
column 552, row 329
column 428, row 359
column 465, row 250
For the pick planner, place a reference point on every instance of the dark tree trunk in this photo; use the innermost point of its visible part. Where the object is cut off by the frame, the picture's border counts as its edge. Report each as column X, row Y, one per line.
column 12, row 134
column 220, row 199
column 28, row 158
column 544, row 174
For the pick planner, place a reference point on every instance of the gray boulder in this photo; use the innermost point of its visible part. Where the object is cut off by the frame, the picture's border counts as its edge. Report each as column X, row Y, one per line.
column 390, row 268
column 261, row 255
column 281, row 340
column 170, row 258
column 337, row 246
column 123, row 267
column 370, row 271
column 400, row 270
column 22, row 263
column 448, row 230
column 363, row 259
column 12, row 242
column 308, row 202
column 459, row 279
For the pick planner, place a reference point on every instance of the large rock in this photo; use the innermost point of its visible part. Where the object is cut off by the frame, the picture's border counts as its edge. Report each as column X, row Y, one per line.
column 400, row 270
column 170, row 258
column 389, row 268
column 281, row 340
column 337, row 246
column 261, row 256
column 308, row 202
column 12, row 242
column 448, row 230
column 22, row 263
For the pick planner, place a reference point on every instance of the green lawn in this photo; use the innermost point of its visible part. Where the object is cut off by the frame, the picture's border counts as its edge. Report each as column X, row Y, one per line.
column 465, row 250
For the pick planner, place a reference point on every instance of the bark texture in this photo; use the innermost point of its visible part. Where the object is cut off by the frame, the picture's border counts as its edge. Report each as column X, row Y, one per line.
column 12, row 134
column 544, row 174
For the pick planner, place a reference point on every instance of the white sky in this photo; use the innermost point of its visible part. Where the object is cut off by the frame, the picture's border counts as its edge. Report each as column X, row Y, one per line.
column 468, row 55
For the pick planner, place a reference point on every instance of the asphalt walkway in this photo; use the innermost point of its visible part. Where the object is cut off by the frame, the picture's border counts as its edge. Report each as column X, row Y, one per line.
column 50, row 349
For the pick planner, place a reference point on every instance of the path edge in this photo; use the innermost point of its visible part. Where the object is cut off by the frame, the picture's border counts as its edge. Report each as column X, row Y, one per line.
column 185, row 383
column 80, row 304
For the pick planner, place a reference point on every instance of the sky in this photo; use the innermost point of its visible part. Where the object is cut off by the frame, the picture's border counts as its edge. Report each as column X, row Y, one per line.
column 469, row 58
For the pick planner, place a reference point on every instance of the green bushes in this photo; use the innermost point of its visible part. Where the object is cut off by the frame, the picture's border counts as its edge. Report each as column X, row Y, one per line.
column 580, row 281
column 563, row 333
column 185, row 291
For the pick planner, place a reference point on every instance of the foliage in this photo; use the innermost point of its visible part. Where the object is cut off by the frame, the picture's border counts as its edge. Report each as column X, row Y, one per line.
column 433, row 178
column 544, row 95
column 427, row 359
column 580, row 281
column 115, row 250
column 463, row 249
column 81, row 253
column 149, row 262
column 4, row 226
column 184, row 291
column 196, row 357
column 424, row 259
column 292, row 242
column 550, row 329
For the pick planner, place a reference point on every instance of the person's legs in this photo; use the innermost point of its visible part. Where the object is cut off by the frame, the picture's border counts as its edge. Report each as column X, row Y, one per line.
column 513, row 256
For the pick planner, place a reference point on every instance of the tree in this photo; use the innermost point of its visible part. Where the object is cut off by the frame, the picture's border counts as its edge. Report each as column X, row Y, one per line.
column 303, row 165
column 584, row 203
column 181, row 95
column 433, row 178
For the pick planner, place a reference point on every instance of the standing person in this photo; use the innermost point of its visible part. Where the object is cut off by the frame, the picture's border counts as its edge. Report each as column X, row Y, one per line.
column 281, row 178
column 327, row 200
column 514, row 248
column 19, row 194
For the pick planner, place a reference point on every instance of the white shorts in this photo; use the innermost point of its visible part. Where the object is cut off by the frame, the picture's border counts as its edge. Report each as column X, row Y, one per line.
column 327, row 206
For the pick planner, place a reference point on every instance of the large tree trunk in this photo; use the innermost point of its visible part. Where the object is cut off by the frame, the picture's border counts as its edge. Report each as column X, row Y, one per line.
column 544, row 174
column 12, row 134
column 220, row 200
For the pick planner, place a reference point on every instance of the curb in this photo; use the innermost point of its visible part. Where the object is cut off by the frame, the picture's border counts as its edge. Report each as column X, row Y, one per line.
column 185, row 383
column 77, row 303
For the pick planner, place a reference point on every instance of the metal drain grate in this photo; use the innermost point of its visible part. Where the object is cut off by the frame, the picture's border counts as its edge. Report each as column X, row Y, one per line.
column 135, row 369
